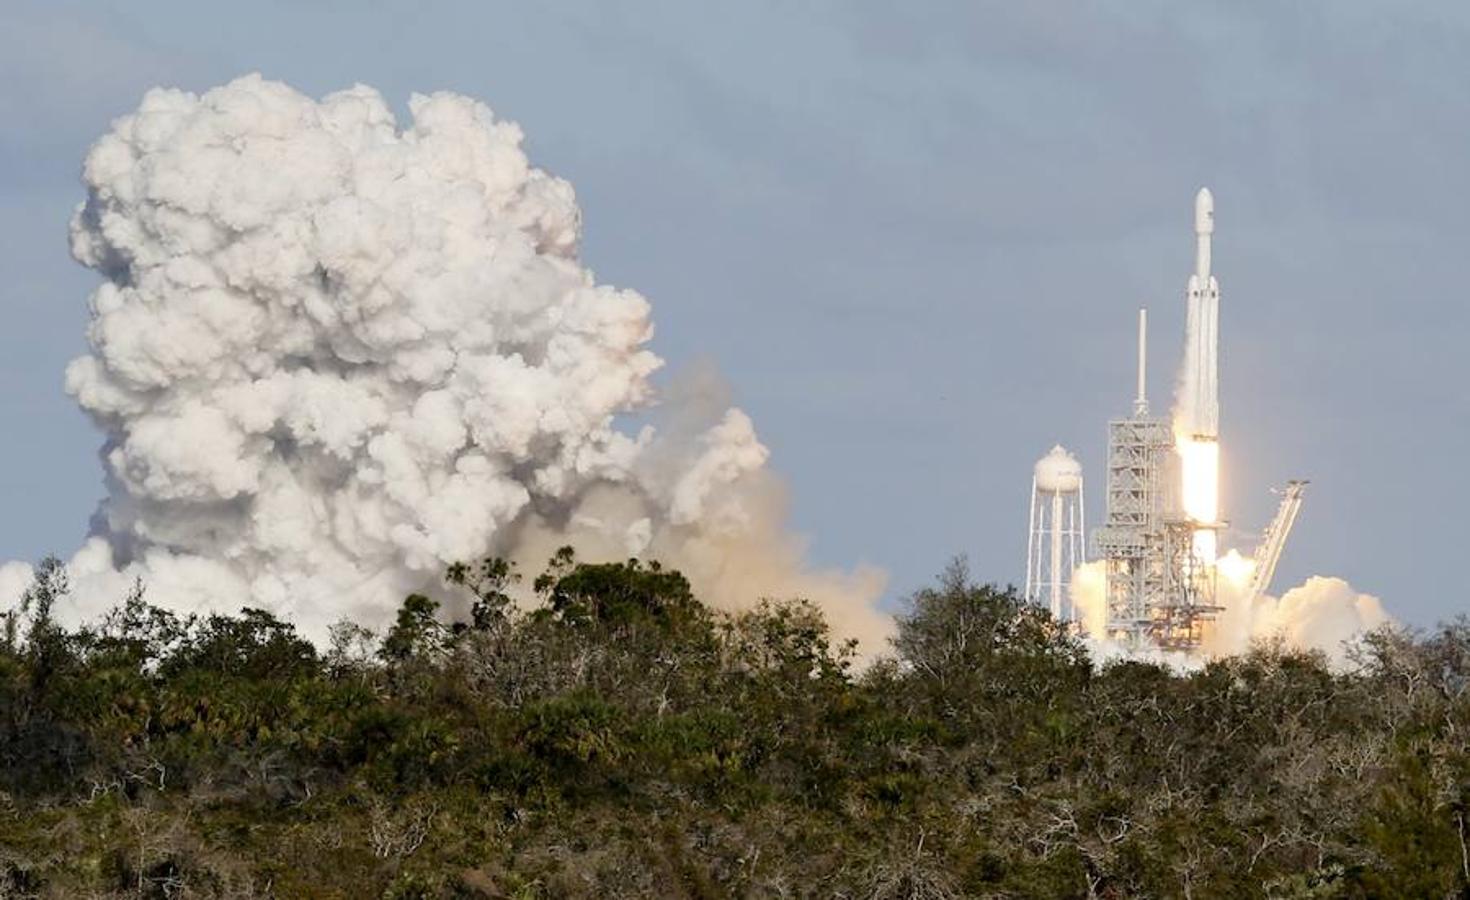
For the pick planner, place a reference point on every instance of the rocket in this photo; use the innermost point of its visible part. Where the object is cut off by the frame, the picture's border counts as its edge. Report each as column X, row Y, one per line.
column 1197, row 422
column 1201, row 400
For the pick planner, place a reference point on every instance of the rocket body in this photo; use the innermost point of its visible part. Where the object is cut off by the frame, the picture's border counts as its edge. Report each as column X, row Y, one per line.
column 1197, row 419
column 1200, row 409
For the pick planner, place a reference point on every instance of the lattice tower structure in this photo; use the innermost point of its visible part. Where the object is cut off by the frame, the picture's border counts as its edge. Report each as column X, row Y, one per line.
column 1131, row 541
column 1158, row 589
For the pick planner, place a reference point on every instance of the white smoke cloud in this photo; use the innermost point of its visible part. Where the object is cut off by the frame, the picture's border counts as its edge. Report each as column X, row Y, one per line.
column 1325, row 614
column 1089, row 594
column 332, row 355
column 1322, row 613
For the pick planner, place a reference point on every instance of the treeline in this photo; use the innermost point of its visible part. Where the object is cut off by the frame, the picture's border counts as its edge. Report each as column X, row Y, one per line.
column 622, row 739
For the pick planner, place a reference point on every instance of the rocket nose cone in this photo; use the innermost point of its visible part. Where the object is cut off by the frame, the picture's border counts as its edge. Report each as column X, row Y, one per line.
column 1204, row 211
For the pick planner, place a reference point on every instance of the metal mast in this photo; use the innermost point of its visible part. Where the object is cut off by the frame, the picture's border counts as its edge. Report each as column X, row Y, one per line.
column 1131, row 542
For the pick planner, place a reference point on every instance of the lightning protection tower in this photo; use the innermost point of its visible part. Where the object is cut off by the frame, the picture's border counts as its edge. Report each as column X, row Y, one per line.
column 1055, row 541
column 1131, row 542
column 1157, row 589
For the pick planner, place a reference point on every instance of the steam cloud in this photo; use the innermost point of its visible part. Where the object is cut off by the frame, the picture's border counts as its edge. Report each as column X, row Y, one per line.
column 1323, row 613
column 331, row 356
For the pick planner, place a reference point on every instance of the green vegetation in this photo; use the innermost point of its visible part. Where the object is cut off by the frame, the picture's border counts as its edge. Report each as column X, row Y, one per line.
column 623, row 740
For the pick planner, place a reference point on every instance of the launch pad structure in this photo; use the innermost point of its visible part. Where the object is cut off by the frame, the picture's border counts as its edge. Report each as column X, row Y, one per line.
column 1158, row 589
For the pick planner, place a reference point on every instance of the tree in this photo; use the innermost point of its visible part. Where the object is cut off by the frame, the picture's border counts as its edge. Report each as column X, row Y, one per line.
column 626, row 740
column 488, row 582
column 417, row 633
column 253, row 645
column 615, row 596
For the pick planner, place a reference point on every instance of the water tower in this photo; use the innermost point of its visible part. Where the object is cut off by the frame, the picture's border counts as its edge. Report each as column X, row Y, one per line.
column 1054, row 544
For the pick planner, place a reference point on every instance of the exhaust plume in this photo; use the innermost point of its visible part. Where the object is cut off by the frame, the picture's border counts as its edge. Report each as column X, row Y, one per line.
column 332, row 355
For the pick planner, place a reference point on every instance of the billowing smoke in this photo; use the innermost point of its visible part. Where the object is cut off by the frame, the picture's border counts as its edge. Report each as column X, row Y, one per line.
column 1325, row 614
column 332, row 355
column 1322, row 613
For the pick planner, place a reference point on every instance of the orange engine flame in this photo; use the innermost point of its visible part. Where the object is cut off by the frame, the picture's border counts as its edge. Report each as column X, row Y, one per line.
column 1200, row 495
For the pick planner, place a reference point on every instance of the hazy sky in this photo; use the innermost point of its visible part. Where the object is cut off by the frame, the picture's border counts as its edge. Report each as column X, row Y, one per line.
column 912, row 237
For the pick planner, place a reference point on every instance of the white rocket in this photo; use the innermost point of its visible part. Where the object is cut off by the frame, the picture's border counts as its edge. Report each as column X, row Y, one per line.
column 1200, row 408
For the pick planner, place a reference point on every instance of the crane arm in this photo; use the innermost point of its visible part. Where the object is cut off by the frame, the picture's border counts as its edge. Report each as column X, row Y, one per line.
column 1273, row 541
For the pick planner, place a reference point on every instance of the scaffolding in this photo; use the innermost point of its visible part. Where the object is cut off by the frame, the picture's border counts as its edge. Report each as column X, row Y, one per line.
column 1158, row 590
column 1177, row 621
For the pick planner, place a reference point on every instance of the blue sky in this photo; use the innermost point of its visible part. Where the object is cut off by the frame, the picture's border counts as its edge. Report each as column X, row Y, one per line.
column 911, row 236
